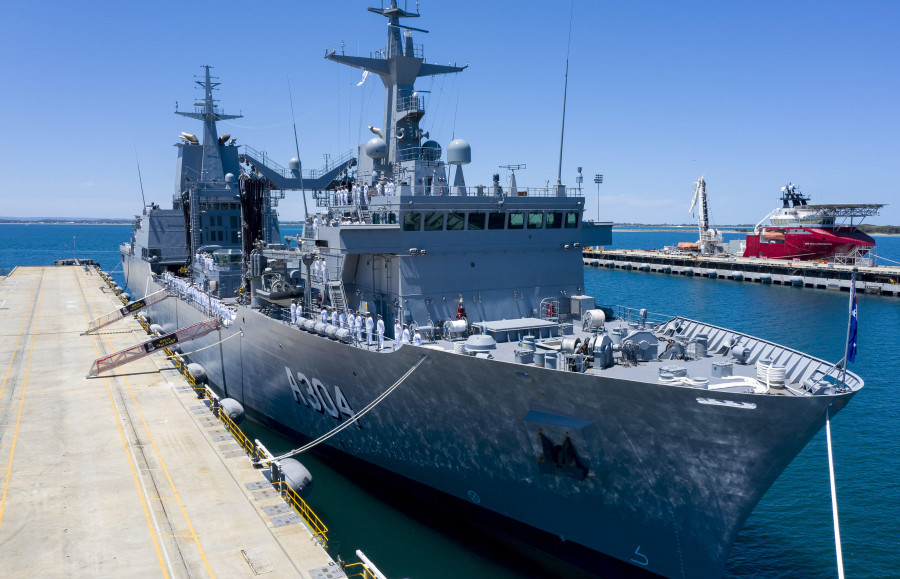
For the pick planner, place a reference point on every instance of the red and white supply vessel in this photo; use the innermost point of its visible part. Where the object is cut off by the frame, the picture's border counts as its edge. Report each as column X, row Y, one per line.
column 798, row 230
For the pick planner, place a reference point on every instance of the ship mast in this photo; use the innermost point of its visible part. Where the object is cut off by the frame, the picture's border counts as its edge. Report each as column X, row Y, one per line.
column 399, row 67
column 211, row 170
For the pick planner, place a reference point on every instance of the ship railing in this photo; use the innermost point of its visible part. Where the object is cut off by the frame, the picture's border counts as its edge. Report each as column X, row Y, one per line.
column 268, row 162
column 443, row 189
column 191, row 174
column 411, row 104
column 418, row 50
column 639, row 316
column 351, row 571
column 197, row 298
column 330, row 164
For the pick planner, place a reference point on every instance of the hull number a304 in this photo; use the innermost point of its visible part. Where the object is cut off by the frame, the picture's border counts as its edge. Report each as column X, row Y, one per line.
column 315, row 395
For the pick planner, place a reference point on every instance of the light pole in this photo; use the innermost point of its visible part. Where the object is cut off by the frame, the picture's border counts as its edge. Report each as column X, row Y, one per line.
column 598, row 179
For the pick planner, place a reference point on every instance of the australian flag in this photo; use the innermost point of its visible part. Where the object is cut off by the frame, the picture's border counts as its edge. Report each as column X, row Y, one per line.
column 851, row 335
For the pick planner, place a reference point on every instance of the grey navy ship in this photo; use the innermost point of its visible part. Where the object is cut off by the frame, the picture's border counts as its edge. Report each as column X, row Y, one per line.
column 607, row 436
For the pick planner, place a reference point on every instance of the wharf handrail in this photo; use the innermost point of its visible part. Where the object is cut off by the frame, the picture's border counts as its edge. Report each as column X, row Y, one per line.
column 365, row 572
column 316, row 526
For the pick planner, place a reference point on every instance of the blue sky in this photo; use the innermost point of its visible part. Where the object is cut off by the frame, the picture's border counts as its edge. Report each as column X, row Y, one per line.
column 751, row 94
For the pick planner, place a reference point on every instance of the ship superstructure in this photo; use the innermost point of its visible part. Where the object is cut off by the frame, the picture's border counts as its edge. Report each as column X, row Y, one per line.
column 799, row 230
column 605, row 435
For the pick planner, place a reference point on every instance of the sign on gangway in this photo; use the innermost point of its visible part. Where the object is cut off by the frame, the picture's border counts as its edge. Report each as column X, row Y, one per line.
column 126, row 310
column 144, row 349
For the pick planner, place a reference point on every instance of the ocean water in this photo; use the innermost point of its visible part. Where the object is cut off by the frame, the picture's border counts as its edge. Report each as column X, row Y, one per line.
column 788, row 535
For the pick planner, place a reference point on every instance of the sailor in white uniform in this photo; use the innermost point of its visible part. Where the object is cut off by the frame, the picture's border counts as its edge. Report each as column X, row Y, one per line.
column 293, row 312
column 379, row 329
column 404, row 339
column 299, row 311
column 417, row 339
column 357, row 328
column 334, row 317
column 324, row 315
column 397, row 333
column 342, row 319
column 369, row 327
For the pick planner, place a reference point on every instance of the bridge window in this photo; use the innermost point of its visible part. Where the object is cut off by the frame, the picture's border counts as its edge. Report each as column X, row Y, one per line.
column 571, row 219
column 516, row 220
column 535, row 220
column 476, row 221
column 496, row 220
column 434, row 221
column 554, row 220
column 455, row 221
column 412, row 221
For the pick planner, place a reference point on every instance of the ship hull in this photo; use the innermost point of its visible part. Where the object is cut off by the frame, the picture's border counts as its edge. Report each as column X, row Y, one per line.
column 806, row 243
column 669, row 482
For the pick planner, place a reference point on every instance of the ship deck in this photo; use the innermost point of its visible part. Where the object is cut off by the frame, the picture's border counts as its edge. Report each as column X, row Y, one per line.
column 128, row 474
column 713, row 369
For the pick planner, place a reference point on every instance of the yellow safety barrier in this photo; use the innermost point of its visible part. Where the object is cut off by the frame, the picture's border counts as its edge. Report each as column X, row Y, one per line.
column 248, row 445
column 316, row 525
column 364, row 572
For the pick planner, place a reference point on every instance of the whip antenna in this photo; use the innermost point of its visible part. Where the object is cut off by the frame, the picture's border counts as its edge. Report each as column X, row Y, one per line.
column 565, row 91
column 297, row 146
column 141, row 181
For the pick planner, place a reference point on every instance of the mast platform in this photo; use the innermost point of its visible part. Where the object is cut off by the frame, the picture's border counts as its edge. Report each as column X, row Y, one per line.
column 127, row 474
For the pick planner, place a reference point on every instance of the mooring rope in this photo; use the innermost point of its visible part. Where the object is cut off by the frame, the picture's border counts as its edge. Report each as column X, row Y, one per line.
column 358, row 415
column 205, row 347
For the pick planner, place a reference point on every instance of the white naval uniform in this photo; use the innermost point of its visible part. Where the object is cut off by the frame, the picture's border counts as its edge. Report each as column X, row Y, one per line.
column 293, row 313
column 369, row 327
column 397, row 330
column 379, row 329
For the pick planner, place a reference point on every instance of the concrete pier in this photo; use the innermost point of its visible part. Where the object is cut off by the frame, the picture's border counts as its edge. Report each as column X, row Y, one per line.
column 870, row 279
column 128, row 474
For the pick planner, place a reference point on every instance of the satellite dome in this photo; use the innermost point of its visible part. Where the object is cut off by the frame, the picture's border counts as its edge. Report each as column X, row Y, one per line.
column 229, row 178
column 376, row 148
column 294, row 164
column 431, row 151
column 459, row 152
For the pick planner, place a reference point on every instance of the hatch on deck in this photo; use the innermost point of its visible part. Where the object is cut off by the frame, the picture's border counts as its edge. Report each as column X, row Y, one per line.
column 515, row 330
